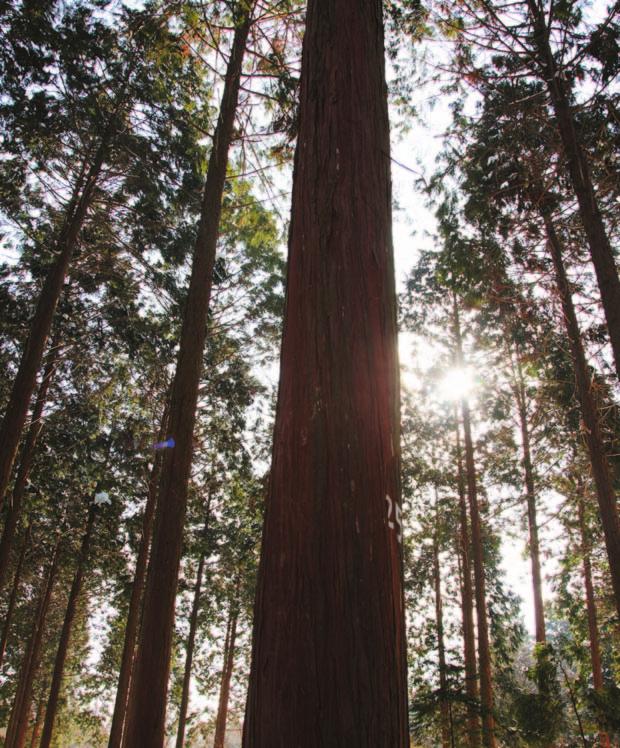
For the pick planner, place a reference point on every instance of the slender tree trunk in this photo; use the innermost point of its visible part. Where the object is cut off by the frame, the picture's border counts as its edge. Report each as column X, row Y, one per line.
column 227, row 671
column 65, row 634
column 484, row 648
column 13, row 598
column 191, row 639
column 441, row 651
column 38, row 720
column 595, row 651
column 530, row 493
column 24, row 382
column 20, row 713
column 601, row 251
column 149, row 685
column 589, row 412
column 135, row 602
column 25, row 463
column 329, row 661
column 467, row 599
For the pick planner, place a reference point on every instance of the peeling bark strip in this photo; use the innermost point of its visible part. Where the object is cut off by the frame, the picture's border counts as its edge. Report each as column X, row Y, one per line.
column 328, row 664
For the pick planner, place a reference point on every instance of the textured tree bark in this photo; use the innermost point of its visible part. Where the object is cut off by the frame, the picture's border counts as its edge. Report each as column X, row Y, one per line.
column 227, row 671
column 467, row 609
column 18, row 721
column 25, row 463
column 595, row 650
column 530, row 493
column 592, row 434
column 65, row 634
column 484, row 648
column 444, row 705
column 13, row 598
column 149, row 684
column 328, row 662
column 601, row 250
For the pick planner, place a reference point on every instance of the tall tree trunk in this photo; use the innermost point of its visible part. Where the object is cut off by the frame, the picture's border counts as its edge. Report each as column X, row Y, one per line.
column 467, row 606
column 24, row 382
column 20, row 713
column 484, row 648
column 227, row 671
column 13, row 598
column 444, row 705
column 589, row 412
column 149, row 684
column 191, row 639
column 38, row 720
column 595, row 651
column 530, row 493
column 135, row 601
column 65, row 634
column 601, row 251
column 25, row 463
column 329, row 659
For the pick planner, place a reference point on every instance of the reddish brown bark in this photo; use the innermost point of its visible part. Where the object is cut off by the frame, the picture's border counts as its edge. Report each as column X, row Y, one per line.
column 65, row 634
column 467, row 609
column 589, row 412
column 149, row 683
column 444, row 705
column 13, row 598
column 601, row 251
column 38, row 720
column 484, row 648
column 227, row 671
column 20, row 713
column 328, row 661
column 25, row 463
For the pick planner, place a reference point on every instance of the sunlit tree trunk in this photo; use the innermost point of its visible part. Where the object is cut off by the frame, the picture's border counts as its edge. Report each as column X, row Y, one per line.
column 329, row 660
column 227, row 671
column 13, row 598
column 149, row 683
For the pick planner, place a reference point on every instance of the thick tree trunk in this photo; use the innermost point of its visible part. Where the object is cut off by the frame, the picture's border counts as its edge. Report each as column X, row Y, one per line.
column 530, row 493
column 467, row 609
column 20, row 713
column 595, row 650
column 444, row 705
column 149, row 684
column 135, row 601
column 484, row 648
column 191, row 639
column 328, row 661
column 601, row 251
column 25, row 463
column 589, row 412
column 227, row 671
column 65, row 634
column 13, row 598
column 24, row 383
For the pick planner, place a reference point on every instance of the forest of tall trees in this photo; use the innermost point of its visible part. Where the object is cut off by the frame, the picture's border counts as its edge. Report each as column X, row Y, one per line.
column 273, row 475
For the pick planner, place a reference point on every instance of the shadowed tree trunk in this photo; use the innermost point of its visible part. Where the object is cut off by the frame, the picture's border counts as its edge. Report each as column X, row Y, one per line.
column 20, row 713
column 13, row 598
column 25, row 463
column 484, row 648
column 328, row 660
column 444, row 705
column 65, row 634
column 149, row 684
column 38, row 720
column 467, row 609
column 227, row 671
column 589, row 412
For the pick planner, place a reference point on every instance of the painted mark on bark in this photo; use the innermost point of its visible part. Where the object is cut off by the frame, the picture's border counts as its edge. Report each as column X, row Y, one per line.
column 397, row 524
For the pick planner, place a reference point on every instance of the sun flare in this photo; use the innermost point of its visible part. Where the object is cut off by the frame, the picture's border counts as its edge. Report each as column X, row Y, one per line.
column 456, row 383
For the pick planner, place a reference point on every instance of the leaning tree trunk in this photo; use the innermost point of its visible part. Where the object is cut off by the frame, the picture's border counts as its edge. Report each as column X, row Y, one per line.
column 227, row 671
column 149, row 684
column 18, row 721
column 589, row 412
column 595, row 650
column 484, row 648
column 328, row 661
column 13, row 598
column 444, row 705
column 25, row 463
column 467, row 606
column 65, row 634
column 600, row 247
column 530, row 493
column 38, row 720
